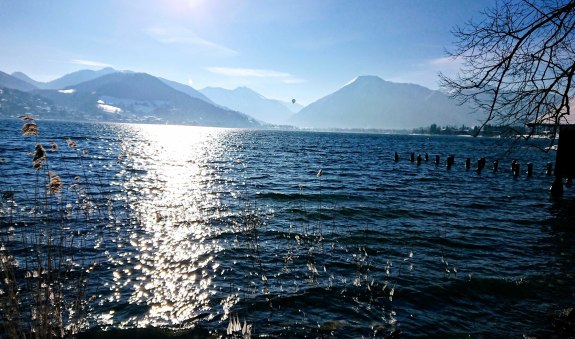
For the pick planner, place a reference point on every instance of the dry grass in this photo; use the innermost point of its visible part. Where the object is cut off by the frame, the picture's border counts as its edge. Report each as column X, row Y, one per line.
column 41, row 284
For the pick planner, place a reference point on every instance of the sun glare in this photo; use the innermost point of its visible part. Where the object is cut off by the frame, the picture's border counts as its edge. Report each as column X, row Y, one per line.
column 175, row 254
column 187, row 7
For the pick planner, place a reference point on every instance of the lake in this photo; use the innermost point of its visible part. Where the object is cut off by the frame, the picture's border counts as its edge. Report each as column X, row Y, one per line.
column 296, row 234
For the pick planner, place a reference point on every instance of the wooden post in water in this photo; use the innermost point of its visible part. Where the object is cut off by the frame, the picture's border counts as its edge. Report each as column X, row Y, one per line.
column 412, row 157
column 495, row 166
column 437, row 160
column 426, row 157
column 396, row 157
column 418, row 159
column 529, row 169
column 480, row 164
column 468, row 163
column 549, row 169
column 450, row 161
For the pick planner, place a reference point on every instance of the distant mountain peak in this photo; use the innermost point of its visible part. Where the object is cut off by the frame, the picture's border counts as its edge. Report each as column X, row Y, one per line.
column 10, row 81
column 249, row 91
column 365, row 80
column 371, row 102
column 368, row 78
column 78, row 77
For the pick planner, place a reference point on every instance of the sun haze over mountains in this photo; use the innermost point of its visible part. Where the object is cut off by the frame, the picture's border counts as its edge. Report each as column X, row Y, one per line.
column 109, row 95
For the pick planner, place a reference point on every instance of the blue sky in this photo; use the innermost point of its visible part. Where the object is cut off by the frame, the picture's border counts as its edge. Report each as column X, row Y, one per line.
column 302, row 49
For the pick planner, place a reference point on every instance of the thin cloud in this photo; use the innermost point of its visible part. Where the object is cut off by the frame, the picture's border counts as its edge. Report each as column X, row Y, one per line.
column 186, row 37
column 446, row 61
column 90, row 63
column 448, row 66
column 248, row 72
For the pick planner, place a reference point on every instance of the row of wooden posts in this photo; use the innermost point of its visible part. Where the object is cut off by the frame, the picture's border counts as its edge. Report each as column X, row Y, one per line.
column 515, row 166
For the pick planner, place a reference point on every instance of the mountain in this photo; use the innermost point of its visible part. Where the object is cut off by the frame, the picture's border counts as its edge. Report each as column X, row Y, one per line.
column 186, row 89
column 26, row 78
column 371, row 102
column 76, row 78
column 66, row 80
column 292, row 106
column 247, row 101
column 9, row 81
column 140, row 97
column 15, row 103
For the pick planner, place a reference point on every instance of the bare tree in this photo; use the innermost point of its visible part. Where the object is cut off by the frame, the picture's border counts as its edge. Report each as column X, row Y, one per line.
column 518, row 62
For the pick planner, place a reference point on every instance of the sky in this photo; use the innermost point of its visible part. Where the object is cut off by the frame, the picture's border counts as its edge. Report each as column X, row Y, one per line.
column 300, row 49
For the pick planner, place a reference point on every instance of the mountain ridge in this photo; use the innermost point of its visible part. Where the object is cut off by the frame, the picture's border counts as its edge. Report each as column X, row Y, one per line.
column 246, row 100
column 371, row 102
column 366, row 102
column 145, row 98
column 9, row 81
column 114, row 96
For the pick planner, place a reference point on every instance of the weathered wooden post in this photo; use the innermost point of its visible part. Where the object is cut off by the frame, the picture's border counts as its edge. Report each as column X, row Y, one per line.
column 437, row 160
column 565, row 158
column 396, row 157
column 426, row 157
column 418, row 159
column 412, row 157
column 495, row 166
column 529, row 169
column 468, row 163
column 480, row 164
column 564, row 123
column 450, row 161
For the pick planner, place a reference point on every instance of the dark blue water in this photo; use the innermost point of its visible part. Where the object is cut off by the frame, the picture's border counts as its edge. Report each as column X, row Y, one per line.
column 184, row 228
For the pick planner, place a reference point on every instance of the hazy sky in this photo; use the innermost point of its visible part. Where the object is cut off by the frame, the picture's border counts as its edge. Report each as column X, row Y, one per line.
column 302, row 49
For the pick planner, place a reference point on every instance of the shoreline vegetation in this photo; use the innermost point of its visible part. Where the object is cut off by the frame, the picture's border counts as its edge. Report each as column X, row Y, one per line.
column 433, row 129
column 45, row 260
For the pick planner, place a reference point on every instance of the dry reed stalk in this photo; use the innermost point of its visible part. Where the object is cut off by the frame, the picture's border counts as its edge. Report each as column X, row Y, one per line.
column 36, row 304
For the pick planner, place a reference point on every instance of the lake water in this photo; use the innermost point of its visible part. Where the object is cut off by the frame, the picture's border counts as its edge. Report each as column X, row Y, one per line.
column 185, row 228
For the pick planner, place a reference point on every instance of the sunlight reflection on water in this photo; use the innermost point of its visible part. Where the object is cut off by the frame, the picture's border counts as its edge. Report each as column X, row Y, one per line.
column 176, row 255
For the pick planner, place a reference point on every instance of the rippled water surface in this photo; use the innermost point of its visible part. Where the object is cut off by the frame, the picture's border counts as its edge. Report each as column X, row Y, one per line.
column 301, row 233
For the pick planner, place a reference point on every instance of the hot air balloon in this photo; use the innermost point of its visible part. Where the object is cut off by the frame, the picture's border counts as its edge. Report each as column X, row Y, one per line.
column 293, row 101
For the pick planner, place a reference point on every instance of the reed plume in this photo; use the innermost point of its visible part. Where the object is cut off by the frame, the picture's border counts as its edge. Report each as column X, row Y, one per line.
column 55, row 184
column 53, row 146
column 27, row 118
column 71, row 143
column 30, row 129
column 39, row 157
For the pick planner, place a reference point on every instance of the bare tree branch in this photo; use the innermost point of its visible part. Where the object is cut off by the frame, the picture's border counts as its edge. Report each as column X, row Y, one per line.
column 518, row 62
